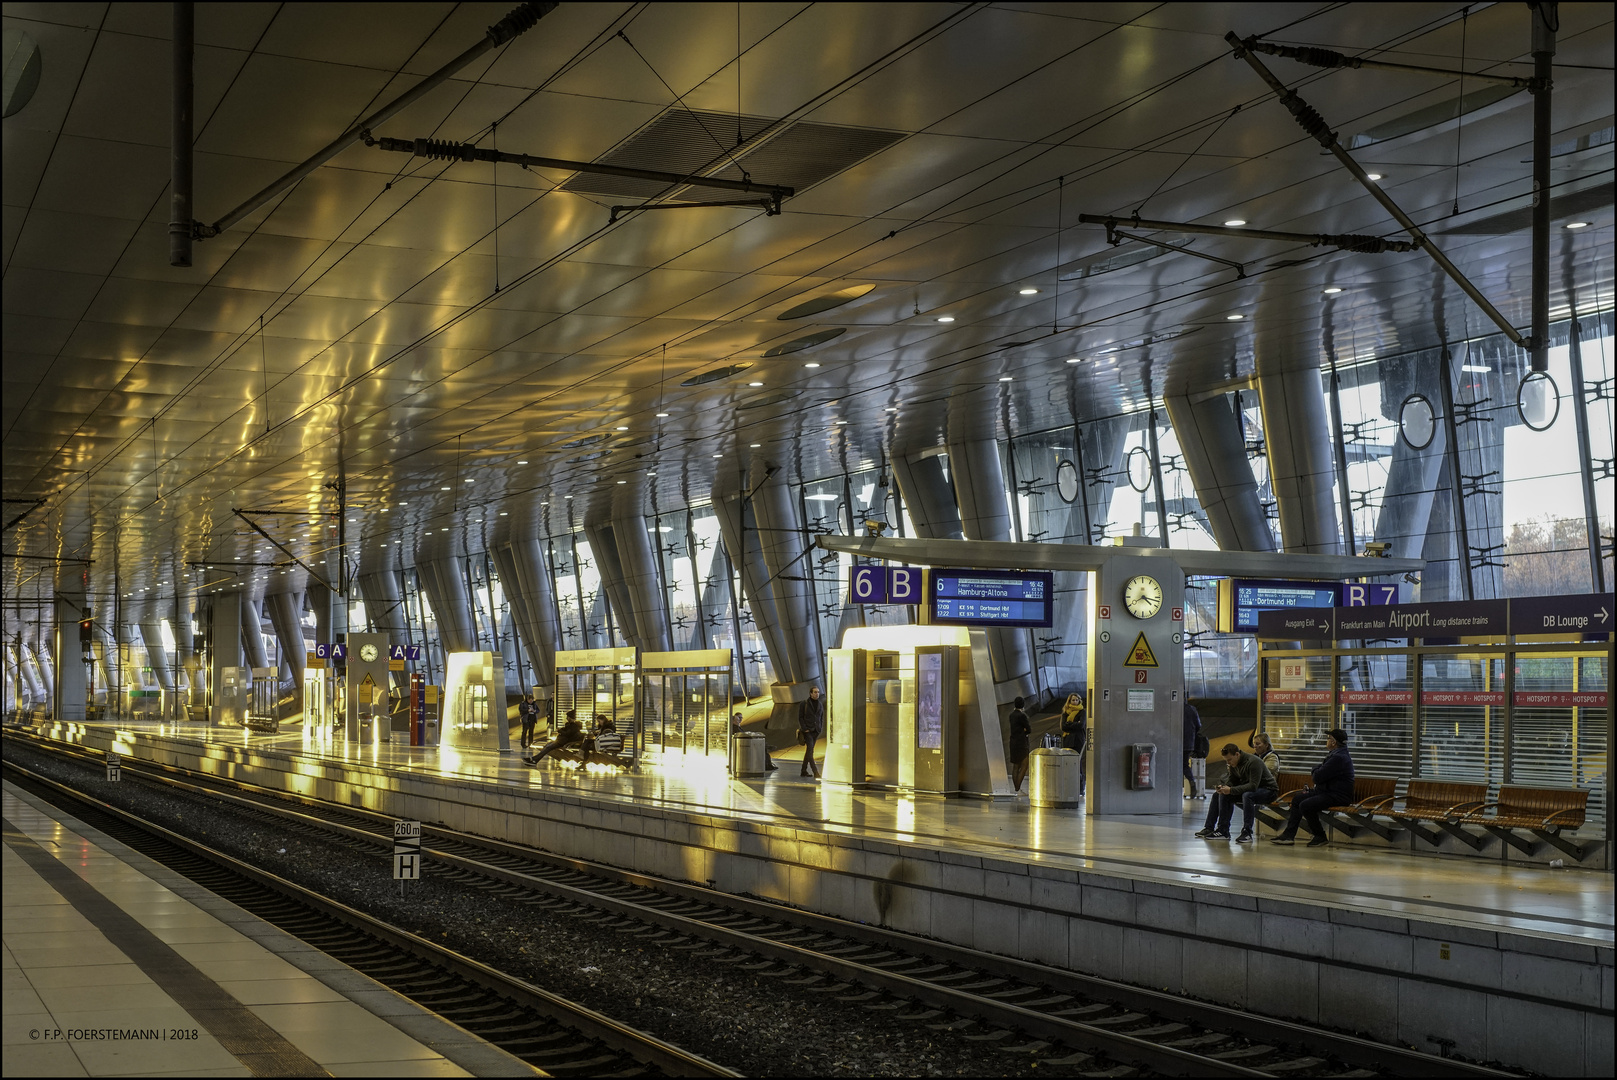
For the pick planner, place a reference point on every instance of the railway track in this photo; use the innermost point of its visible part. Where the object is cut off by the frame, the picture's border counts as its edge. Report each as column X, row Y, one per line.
column 557, row 1036
column 1061, row 1018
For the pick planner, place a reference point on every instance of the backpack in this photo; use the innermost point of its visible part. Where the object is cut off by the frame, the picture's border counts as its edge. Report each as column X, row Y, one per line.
column 1202, row 746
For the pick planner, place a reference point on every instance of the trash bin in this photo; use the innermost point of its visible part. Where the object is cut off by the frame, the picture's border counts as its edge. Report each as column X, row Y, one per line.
column 747, row 754
column 1056, row 776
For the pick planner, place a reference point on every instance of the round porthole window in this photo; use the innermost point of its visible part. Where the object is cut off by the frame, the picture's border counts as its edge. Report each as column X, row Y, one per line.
column 1417, row 423
column 23, row 67
column 1067, row 481
column 1138, row 465
column 1538, row 400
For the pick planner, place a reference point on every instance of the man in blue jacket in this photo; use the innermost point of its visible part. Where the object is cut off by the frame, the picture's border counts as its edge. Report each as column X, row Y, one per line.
column 1333, row 786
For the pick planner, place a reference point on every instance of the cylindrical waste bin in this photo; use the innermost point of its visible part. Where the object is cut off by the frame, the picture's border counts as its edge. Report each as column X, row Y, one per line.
column 1056, row 776
column 747, row 754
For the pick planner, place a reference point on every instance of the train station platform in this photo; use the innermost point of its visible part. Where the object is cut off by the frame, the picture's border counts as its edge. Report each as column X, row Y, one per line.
column 1499, row 961
column 116, row 966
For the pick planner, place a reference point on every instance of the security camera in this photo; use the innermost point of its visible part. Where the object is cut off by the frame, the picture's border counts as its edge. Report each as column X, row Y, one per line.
column 875, row 528
column 1377, row 549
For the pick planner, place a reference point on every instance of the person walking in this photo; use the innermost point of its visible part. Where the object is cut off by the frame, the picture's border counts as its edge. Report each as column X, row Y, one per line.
column 1193, row 730
column 1021, row 744
column 1249, row 782
column 1075, row 734
column 811, row 722
column 1333, row 786
column 529, row 712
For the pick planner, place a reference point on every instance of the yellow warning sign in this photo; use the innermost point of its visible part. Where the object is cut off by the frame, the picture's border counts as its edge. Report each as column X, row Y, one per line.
column 372, row 682
column 1141, row 655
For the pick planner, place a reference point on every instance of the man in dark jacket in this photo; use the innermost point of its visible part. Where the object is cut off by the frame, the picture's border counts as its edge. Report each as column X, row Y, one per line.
column 571, row 732
column 1333, row 786
column 1248, row 776
column 1193, row 728
column 811, row 722
column 529, row 711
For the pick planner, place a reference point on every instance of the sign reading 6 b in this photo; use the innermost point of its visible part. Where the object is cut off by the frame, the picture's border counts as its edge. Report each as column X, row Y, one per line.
column 885, row 585
column 869, row 585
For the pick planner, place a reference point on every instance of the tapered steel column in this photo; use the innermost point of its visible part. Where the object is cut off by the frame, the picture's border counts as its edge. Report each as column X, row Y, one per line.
column 1209, row 433
column 1301, row 472
column 927, row 497
column 604, row 550
column 286, row 615
column 780, row 538
column 979, row 484
column 252, row 634
column 151, row 632
column 445, row 586
column 1406, row 501
column 525, row 575
column 642, row 584
column 741, row 543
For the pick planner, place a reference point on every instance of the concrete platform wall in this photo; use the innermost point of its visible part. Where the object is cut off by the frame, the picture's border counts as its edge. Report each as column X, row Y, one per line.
column 1531, row 1001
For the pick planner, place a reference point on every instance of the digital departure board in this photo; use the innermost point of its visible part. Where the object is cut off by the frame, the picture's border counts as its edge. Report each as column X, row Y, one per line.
column 991, row 597
column 1242, row 600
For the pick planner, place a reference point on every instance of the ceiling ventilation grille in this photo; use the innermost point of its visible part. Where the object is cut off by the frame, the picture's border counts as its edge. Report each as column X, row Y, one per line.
column 684, row 141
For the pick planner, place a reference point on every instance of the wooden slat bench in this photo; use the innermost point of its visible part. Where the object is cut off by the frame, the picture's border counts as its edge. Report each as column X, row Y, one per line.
column 1368, row 792
column 1543, row 812
column 1435, row 802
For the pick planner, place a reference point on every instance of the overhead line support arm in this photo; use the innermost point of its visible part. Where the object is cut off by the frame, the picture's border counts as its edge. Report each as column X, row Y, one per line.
column 1314, row 124
column 1369, row 245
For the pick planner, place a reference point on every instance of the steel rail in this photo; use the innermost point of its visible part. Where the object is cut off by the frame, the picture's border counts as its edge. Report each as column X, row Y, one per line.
column 1043, row 1025
column 638, row 1044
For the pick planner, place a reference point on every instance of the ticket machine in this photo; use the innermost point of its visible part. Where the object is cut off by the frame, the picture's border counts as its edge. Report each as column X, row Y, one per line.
column 913, row 711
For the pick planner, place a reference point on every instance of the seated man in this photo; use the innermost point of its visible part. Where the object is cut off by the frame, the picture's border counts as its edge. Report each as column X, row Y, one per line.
column 571, row 732
column 1249, row 783
column 1333, row 786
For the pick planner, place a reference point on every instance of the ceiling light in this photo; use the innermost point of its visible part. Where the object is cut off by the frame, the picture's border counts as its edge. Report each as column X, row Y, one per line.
column 1234, row 318
column 651, row 474
column 1482, row 368
column 623, row 427
column 444, row 488
column 1577, row 224
column 890, row 408
column 1333, row 290
column 623, row 481
column 718, row 455
column 945, row 318
column 755, row 384
column 1076, row 360
column 384, row 509
column 469, row 480
column 662, row 415
column 811, row 364
column 842, row 421
column 1235, row 223
column 1372, row 176
column 522, row 463
column 443, row 530
column 1028, row 292
column 1005, row 378
column 567, row 496
column 403, row 503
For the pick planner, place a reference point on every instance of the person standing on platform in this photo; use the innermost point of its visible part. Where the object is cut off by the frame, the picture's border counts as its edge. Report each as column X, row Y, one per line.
column 1021, row 744
column 1075, row 734
column 811, row 723
column 1333, row 786
column 571, row 732
column 1193, row 731
column 529, row 712
column 735, row 728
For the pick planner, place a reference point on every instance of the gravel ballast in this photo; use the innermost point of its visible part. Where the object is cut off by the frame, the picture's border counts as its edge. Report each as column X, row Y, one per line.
column 755, row 1025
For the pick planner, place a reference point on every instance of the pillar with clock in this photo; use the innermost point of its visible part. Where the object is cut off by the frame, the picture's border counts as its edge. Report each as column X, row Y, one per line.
column 367, row 687
column 1136, row 685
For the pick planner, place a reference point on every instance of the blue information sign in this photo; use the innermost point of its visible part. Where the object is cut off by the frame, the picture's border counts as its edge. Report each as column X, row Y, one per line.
column 1249, row 598
column 992, row 597
column 885, row 585
column 903, row 585
column 869, row 585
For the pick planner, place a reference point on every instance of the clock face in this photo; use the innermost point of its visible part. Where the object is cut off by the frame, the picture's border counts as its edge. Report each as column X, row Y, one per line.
column 1142, row 596
column 368, row 652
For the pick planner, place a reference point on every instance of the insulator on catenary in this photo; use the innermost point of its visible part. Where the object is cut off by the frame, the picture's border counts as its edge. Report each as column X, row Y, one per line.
column 520, row 18
column 443, row 150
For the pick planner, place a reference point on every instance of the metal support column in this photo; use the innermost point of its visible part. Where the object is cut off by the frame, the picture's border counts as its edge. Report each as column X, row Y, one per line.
column 446, row 592
column 1300, row 467
column 1546, row 20
column 1580, row 419
column 1456, row 487
column 1209, row 433
column 979, row 482
column 641, row 584
column 780, row 540
column 926, row 493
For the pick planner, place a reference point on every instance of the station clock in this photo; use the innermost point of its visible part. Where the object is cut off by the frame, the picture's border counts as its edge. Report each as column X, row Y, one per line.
column 1142, row 596
column 369, row 652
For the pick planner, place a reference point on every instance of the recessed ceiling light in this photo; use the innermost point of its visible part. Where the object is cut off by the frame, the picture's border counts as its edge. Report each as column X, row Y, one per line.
column 811, row 364
column 945, row 318
column 443, row 530
column 384, row 509
column 1028, row 292
column 1577, row 224
column 651, row 474
column 1076, row 360
column 662, row 415
column 505, row 513
column 755, row 445
column 1004, row 378
column 891, row 408
column 623, row 427
column 1235, row 318
column 1372, row 176
column 1235, row 223
column 444, row 488
column 755, row 384
column 623, row 481
column 718, row 455
column 469, row 480
column 403, row 503
column 522, row 463
column 567, row 496
column 1333, row 290
column 841, row 421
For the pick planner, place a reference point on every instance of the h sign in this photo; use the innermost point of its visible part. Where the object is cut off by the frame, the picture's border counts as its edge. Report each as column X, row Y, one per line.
column 903, row 585
column 869, row 585
column 1357, row 595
